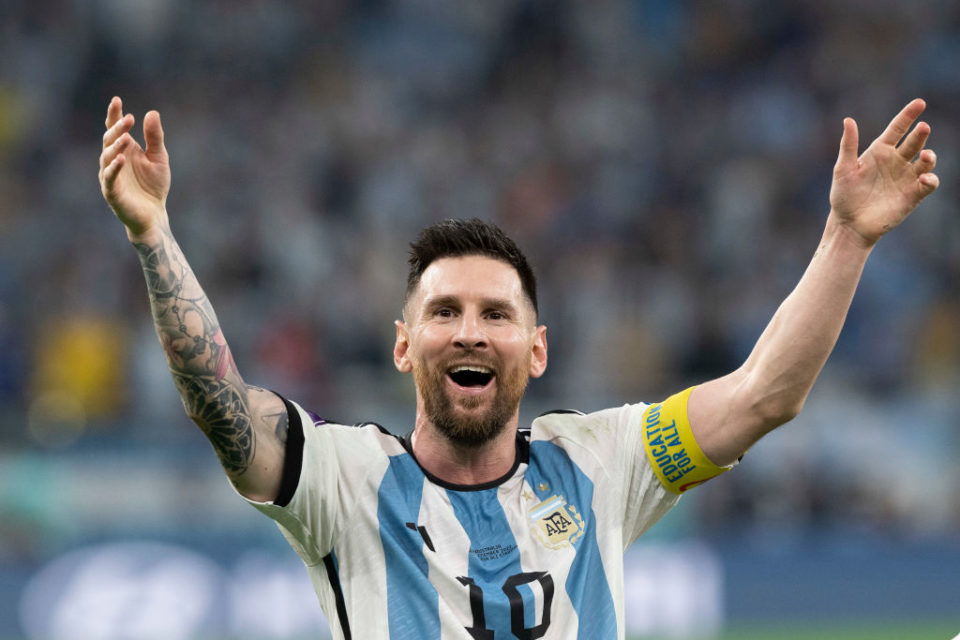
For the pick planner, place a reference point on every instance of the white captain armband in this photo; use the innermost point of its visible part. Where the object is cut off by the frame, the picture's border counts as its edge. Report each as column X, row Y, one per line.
column 673, row 453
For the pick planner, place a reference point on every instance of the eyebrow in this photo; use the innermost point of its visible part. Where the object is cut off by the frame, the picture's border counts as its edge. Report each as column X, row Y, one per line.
column 486, row 303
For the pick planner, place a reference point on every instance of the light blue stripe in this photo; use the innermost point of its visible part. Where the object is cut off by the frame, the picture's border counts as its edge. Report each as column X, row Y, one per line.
column 412, row 602
column 482, row 518
column 550, row 506
column 552, row 472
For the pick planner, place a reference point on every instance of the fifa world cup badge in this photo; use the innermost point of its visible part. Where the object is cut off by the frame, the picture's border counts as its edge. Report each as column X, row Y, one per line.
column 556, row 523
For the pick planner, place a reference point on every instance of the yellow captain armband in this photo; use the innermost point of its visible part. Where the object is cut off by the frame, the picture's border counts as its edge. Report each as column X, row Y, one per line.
column 673, row 453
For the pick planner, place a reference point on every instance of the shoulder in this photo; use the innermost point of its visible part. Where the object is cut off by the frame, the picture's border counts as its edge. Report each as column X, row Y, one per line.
column 601, row 444
column 566, row 423
column 315, row 427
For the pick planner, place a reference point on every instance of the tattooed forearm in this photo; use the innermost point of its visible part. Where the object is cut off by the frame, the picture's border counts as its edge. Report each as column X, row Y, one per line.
column 203, row 370
column 184, row 318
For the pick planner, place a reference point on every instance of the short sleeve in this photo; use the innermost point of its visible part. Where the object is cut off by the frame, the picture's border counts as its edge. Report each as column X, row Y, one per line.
column 316, row 491
column 608, row 446
column 645, row 499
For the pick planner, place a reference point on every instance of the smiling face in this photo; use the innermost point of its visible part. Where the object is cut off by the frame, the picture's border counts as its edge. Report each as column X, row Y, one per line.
column 471, row 341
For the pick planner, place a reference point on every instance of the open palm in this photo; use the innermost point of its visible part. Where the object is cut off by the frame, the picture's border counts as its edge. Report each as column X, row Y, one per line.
column 134, row 181
column 875, row 192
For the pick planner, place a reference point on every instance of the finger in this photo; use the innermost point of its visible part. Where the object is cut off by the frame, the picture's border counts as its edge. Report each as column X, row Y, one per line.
column 926, row 161
column 114, row 111
column 928, row 183
column 900, row 124
column 111, row 172
column 119, row 128
column 153, row 135
column 914, row 142
column 119, row 146
column 849, row 144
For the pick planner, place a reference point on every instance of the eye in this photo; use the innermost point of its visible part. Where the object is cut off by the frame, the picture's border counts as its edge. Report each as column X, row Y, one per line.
column 496, row 315
column 443, row 312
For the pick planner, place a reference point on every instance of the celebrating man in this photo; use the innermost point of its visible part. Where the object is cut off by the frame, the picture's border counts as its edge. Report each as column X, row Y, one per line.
column 474, row 526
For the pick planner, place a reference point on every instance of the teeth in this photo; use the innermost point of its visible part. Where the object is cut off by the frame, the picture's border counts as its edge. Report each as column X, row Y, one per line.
column 474, row 368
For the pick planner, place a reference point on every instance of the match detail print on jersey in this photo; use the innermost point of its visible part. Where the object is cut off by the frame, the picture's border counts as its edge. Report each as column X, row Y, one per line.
column 673, row 453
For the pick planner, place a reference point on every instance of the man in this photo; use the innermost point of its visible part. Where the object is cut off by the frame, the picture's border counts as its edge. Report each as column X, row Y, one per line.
column 472, row 527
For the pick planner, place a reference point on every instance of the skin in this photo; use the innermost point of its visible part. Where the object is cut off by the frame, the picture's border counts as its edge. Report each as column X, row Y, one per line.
column 246, row 425
column 871, row 194
column 469, row 310
column 472, row 310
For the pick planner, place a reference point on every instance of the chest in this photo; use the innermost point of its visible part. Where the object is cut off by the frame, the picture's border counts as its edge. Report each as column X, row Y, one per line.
column 523, row 556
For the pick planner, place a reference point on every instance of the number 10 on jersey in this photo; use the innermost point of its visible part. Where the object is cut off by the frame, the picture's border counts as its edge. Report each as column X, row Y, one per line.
column 479, row 631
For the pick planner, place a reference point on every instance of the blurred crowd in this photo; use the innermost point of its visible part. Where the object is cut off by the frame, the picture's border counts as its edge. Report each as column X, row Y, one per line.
column 666, row 165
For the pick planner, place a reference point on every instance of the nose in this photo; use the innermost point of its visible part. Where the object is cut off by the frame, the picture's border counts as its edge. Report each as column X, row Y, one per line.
column 469, row 333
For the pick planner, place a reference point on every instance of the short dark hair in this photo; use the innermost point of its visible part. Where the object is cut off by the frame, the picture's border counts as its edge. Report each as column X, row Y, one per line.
column 455, row 238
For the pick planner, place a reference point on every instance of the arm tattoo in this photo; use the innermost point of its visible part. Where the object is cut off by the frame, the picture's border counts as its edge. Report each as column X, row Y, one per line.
column 219, row 408
column 203, row 370
column 282, row 428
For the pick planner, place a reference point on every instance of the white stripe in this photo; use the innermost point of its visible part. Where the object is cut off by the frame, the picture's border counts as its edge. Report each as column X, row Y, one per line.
column 451, row 559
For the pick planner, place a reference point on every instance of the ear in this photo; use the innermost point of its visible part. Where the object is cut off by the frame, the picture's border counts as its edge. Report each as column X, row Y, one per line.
column 538, row 363
column 400, row 348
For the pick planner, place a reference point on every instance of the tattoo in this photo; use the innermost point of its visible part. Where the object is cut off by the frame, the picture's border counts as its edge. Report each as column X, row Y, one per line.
column 221, row 413
column 200, row 360
column 156, row 267
column 283, row 427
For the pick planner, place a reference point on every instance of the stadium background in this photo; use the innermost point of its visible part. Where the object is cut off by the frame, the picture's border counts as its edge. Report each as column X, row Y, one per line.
column 666, row 164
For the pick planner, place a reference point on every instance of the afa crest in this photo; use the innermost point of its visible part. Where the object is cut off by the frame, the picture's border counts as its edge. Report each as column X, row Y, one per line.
column 556, row 523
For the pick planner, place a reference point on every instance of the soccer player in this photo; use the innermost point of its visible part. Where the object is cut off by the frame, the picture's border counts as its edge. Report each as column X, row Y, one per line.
column 472, row 527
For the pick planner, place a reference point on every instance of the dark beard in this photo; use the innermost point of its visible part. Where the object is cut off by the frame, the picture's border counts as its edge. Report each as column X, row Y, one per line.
column 471, row 432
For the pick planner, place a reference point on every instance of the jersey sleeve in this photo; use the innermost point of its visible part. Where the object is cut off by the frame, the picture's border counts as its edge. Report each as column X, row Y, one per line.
column 644, row 499
column 324, row 464
column 658, row 461
column 608, row 446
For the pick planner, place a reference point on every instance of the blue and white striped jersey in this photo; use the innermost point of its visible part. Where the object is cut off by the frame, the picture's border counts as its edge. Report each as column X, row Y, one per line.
column 394, row 552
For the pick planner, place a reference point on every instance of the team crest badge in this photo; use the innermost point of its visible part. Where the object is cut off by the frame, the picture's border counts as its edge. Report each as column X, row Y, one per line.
column 556, row 523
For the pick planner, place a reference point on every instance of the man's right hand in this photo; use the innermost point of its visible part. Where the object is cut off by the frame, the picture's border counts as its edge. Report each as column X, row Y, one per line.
column 135, row 181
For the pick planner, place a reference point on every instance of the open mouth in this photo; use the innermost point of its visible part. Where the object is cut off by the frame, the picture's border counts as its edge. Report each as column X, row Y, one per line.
column 471, row 376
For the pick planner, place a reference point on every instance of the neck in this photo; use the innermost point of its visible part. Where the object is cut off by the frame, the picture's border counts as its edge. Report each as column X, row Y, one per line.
column 457, row 464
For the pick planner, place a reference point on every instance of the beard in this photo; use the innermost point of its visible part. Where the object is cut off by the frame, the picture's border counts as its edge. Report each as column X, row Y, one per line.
column 471, row 430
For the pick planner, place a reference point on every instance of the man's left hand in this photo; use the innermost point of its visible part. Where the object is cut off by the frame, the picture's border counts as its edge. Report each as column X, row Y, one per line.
column 873, row 193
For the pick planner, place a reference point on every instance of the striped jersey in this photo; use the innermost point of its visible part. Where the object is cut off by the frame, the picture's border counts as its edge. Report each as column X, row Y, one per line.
column 394, row 552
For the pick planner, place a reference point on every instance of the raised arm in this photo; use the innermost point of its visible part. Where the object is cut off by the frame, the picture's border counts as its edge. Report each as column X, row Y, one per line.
column 246, row 425
column 871, row 194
